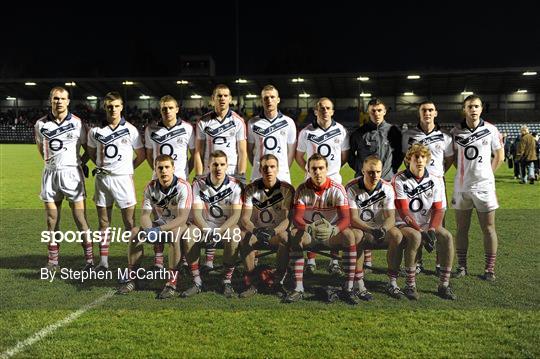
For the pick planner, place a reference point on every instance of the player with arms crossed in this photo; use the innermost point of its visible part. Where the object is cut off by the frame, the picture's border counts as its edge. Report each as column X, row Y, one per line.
column 111, row 148
column 373, row 219
column 170, row 197
column 59, row 137
column 321, row 219
column 330, row 139
column 428, row 133
column 419, row 201
column 171, row 136
column 265, row 220
column 271, row 132
column 217, row 205
column 475, row 140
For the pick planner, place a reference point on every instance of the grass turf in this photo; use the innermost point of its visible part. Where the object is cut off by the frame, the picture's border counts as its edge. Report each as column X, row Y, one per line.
column 488, row 319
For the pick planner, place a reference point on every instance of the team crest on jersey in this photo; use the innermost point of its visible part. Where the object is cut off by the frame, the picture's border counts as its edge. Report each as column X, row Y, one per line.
column 55, row 133
column 484, row 142
column 69, row 135
column 105, row 140
column 168, row 136
column 219, row 130
column 324, row 137
column 424, row 187
column 125, row 141
column 466, row 141
column 271, row 129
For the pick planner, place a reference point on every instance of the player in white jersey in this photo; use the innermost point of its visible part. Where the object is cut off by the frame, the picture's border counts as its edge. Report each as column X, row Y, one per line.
column 373, row 219
column 317, row 202
column 428, row 133
column 475, row 140
column 223, row 130
column 265, row 219
column 217, row 204
column 59, row 137
column 170, row 197
column 419, row 201
column 271, row 132
column 111, row 148
column 331, row 140
column 172, row 137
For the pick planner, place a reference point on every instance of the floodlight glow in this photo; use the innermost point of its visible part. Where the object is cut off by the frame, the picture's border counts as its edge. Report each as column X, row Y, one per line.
column 182, row 82
column 304, row 95
column 128, row 83
column 363, row 94
column 410, row 93
column 529, row 73
column 240, row 81
column 145, row 97
column 30, row 83
column 521, row 91
column 467, row 93
column 298, row 79
column 70, row 84
column 250, row 95
column 9, row 98
column 195, row 96
column 91, row 98
column 362, row 78
column 413, row 77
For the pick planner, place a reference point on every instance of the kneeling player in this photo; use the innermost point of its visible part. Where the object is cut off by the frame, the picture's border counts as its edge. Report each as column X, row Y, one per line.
column 373, row 219
column 265, row 219
column 217, row 204
column 419, row 201
column 170, row 197
column 321, row 219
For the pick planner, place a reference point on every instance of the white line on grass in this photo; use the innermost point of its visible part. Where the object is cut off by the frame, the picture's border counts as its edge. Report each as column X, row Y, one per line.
column 51, row 328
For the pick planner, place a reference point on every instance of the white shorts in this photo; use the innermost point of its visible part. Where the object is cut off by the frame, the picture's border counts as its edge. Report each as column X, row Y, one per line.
column 483, row 201
column 111, row 189
column 59, row 183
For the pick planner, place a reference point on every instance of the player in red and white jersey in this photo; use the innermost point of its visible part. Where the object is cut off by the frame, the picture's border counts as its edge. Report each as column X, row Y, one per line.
column 221, row 130
column 217, row 204
column 330, row 139
column 265, row 219
column 475, row 140
column 170, row 197
column 419, row 201
column 271, row 132
column 317, row 198
column 111, row 148
column 373, row 219
column 59, row 137
column 171, row 136
column 428, row 133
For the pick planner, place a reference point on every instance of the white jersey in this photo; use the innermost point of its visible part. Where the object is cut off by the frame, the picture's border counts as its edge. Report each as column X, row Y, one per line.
column 322, row 203
column 329, row 143
column 438, row 142
column 221, row 135
column 271, row 136
column 269, row 206
column 420, row 194
column 60, row 142
column 474, row 148
column 167, row 200
column 370, row 205
column 217, row 202
column 173, row 141
column 115, row 147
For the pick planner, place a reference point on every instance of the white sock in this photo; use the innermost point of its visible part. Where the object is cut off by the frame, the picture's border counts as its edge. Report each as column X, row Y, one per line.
column 311, row 261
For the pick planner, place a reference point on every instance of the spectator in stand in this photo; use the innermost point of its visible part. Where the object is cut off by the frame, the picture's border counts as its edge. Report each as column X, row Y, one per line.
column 527, row 152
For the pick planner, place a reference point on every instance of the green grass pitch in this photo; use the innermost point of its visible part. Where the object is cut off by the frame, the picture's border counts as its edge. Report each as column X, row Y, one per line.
column 488, row 320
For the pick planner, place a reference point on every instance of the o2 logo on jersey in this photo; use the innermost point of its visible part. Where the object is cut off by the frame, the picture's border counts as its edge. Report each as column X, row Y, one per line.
column 271, row 143
column 167, row 149
column 471, row 153
column 111, row 151
column 222, row 141
column 325, row 151
column 266, row 216
column 367, row 215
column 56, row 144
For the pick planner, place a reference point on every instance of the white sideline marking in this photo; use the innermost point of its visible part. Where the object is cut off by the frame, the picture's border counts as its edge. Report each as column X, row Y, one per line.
column 51, row 328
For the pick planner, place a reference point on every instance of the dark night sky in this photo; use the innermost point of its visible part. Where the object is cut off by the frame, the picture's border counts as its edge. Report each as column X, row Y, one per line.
column 275, row 38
